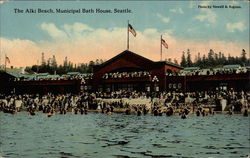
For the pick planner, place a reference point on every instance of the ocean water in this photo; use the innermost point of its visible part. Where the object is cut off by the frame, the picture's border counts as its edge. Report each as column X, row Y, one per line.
column 99, row 135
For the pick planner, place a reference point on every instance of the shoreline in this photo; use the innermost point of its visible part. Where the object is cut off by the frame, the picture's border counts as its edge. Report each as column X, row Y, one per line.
column 123, row 111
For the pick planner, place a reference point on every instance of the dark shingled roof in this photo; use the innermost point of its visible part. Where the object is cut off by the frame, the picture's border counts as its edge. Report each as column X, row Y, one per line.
column 121, row 54
column 139, row 56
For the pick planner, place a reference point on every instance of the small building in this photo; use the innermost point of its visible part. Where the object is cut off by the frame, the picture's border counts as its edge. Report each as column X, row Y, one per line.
column 6, row 80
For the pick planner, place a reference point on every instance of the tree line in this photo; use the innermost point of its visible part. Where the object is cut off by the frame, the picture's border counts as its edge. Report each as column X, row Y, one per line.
column 213, row 59
column 50, row 66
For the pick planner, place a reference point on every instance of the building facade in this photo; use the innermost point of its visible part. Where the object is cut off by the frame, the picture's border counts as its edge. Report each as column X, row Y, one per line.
column 130, row 71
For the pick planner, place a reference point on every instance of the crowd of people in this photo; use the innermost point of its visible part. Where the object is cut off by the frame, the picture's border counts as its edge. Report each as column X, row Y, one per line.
column 198, row 103
column 47, row 77
column 195, row 71
column 215, row 71
column 126, row 74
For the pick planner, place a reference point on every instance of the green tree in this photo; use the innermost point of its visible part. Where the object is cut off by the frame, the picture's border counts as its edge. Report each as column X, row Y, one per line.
column 183, row 60
column 175, row 61
column 243, row 56
column 189, row 60
column 43, row 62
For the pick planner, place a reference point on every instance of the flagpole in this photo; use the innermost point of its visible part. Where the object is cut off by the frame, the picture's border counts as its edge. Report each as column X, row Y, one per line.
column 5, row 63
column 161, row 47
column 128, row 36
column 0, row 59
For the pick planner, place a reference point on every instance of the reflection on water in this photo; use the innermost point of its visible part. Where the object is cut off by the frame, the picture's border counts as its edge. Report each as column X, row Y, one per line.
column 121, row 136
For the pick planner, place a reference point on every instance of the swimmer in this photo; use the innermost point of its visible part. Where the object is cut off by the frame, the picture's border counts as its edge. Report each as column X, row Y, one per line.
column 183, row 116
column 75, row 110
column 145, row 111
column 64, row 111
column 186, row 111
column 111, row 108
column 203, row 113
column 160, row 112
column 211, row 111
column 245, row 113
column 32, row 112
column 139, row 112
column 170, row 111
column 103, row 109
column 198, row 113
column 108, row 111
column 155, row 112
column 51, row 113
column 85, row 110
column 230, row 112
column 81, row 111
column 128, row 111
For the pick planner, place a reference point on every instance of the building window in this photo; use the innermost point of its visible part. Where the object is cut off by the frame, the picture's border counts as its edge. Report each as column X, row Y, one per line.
column 179, row 85
column 174, row 85
column 170, row 85
column 85, row 88
column 81, row 88
column 157, row 89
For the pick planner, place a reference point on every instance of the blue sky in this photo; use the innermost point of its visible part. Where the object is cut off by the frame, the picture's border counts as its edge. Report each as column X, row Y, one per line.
column 179, row 20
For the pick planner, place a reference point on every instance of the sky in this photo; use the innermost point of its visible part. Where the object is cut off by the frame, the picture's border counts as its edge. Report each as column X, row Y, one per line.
column 89, row 36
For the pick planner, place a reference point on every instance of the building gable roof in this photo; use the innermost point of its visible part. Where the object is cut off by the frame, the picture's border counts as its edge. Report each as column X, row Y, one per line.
column 125, row 54
column 128, row 59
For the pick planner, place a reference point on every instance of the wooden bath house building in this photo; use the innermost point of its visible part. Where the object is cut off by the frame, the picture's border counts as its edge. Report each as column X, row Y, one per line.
column 130, row 71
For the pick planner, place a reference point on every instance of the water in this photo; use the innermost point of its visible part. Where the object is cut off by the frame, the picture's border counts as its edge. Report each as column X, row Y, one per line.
column 100, row 135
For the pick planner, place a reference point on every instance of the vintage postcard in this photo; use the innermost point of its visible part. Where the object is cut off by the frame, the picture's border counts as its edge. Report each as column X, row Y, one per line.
column 102, row 79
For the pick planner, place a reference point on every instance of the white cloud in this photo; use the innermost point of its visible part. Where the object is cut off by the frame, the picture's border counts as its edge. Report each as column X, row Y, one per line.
column 232, row 27
column 91, row 44
column 163, row 18
column 177, row 10
column 76, row 29
column 21, row 52
column 53, row 31
column 150, row 31
column 3, row 1
column 207, row 16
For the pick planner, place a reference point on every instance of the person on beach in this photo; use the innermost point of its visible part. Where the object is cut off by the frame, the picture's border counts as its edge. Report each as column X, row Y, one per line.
column 198, row 112
column 245, row 113
column 145, row 111
column 128, row 111
column 155, row 111
column 203, row 113
column 108, row 110
column 75, row 110
column 186, row 111
column 138, row 112
column 230, row 112
column 183, row 115
column 111, row 108
column 170, row 111
column 77, row 102
column 51, row 113
column 81, row 111
column 160, row 112
column 211, row 111
column 85, row 110
column 32, row 112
